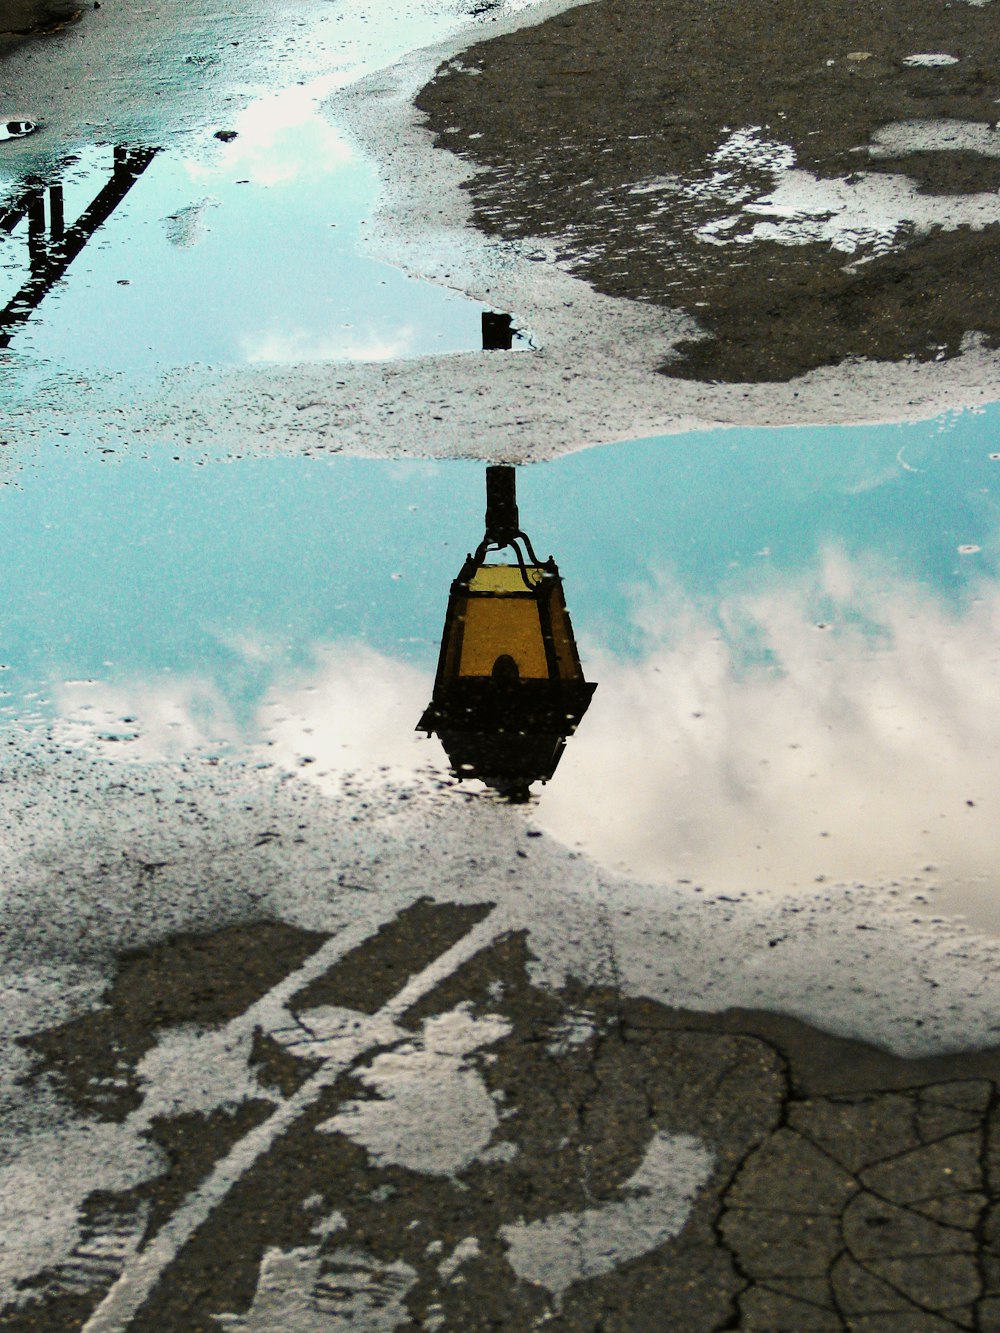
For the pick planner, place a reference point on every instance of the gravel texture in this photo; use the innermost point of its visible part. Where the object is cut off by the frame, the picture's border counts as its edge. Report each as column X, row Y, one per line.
column 644, row 140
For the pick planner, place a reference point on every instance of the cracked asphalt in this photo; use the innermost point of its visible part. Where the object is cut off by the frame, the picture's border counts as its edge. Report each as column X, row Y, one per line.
column 305, row 1118
column 434, row 1140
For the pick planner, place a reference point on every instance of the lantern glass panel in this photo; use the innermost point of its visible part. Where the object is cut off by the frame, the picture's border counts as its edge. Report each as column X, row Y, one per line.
column 504, row 579
column 567, row 657
column 497, row 626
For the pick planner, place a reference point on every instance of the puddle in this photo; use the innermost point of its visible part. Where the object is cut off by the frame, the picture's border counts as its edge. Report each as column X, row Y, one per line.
column 247, row 252
column 171, row 245
column 930, row 60
column 794, row 635
column 16, row 129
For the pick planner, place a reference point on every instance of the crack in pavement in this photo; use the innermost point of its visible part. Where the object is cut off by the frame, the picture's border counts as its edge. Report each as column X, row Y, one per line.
column 926, row 1266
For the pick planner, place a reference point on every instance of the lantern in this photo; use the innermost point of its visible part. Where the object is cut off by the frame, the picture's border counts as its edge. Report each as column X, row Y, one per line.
column 509, row 689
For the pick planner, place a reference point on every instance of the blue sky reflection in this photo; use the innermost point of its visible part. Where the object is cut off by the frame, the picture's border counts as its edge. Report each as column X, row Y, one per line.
column 238, row 252
column 158, row 563
column 796, row 633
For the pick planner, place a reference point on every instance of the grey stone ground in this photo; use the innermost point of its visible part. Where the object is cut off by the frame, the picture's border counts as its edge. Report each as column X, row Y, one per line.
column 421, row 1134
column 497, row 1181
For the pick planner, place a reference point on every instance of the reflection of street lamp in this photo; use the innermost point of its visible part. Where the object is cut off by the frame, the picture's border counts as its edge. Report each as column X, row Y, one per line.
column 509, row 689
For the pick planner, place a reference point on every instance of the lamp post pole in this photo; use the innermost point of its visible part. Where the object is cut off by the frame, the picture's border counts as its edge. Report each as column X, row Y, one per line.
column 502, row 522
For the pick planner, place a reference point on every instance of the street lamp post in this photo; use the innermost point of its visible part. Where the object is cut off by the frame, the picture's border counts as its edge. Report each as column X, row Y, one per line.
column 509, row 689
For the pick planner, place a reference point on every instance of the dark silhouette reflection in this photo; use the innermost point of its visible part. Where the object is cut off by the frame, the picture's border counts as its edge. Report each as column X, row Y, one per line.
column 52, row 246
column 509, row 689
column 498, row 332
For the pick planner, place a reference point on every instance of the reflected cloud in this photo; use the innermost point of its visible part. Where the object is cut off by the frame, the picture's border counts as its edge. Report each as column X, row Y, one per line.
column 146, row 721
column 250, row 646
column 280, row 139
column 769, row 749
column 352, row 710
column 294, row 345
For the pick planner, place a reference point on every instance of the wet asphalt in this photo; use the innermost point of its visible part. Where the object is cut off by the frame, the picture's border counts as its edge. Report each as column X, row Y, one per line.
column 840, row 1187
column 409, row 1127
column 608, row 132
column 24, row 19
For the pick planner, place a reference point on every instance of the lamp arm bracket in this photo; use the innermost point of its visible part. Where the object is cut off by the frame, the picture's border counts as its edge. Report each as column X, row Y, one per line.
column 500, row 542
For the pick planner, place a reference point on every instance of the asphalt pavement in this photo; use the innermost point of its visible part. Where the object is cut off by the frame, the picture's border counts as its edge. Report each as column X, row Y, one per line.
column 283, row 1061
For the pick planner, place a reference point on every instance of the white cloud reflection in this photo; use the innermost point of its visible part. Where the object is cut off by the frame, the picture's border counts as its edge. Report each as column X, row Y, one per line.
column 294, row 345
column 864, row 747
column 756, row 748
column 281, row 138
column 146, row 720
column 350, row 709
column 355, row 709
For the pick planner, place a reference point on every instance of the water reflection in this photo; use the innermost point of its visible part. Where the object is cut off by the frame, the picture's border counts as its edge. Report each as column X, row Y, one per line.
column 17, row 129
column 509, row 689
column 797, row 636
column 52, row 246
column 498, row 332
column 200, row 266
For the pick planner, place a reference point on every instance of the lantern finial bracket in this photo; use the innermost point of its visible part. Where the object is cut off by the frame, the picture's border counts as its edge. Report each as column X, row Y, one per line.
column 503, row 527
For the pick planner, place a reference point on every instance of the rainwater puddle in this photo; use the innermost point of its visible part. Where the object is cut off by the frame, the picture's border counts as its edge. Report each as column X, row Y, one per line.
column 795, row 636
column 239, row 247
column 247, row 252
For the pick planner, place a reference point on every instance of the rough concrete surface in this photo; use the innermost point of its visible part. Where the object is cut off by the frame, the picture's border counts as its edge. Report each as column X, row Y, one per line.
column 644, row 142
column 286, row 1050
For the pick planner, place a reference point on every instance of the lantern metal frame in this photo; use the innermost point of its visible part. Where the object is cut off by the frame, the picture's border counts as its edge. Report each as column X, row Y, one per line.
column 505, row 727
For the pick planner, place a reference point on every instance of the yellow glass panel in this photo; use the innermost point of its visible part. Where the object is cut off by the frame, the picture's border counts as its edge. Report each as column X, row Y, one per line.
column 503, row 578
column 498, row 625
column 451, row 646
